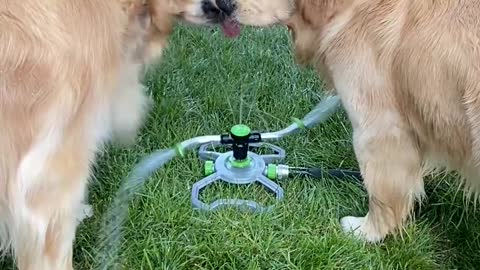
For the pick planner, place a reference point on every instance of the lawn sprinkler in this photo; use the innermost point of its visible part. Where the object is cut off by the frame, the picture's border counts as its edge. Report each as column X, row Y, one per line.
column 241, row 165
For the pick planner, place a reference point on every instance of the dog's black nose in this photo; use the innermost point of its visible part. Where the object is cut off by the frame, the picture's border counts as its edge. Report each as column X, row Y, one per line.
column 217, row 11
column 210, row 10
column 226, row 6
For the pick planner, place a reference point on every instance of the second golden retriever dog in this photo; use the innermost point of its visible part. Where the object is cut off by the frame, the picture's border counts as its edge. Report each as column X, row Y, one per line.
column 408, row 74
column 69, row 81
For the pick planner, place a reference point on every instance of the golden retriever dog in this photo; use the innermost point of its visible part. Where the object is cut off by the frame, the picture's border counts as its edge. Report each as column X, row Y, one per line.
column 408, row 74
column 69, row 81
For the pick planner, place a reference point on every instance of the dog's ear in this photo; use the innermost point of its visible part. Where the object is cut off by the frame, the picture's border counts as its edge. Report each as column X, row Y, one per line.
column 317, row 13
column 144, row 15
column 160, row 29
column 161, row 15
column 310, row 11
column 138, row 11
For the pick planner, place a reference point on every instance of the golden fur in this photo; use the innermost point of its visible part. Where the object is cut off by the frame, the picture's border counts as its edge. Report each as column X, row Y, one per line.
column 408, row 74
column 69, row 81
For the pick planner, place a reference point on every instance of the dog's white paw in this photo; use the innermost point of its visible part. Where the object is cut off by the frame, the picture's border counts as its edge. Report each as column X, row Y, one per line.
column 84, row 212
column 352, row 224
column 87, row 210
column 357, row 227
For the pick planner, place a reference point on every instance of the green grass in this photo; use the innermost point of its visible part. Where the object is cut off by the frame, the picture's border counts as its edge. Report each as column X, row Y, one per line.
column 204, row 84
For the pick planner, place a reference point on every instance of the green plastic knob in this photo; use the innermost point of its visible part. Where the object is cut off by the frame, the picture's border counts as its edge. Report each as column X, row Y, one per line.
column 241, row 164
column 209, row 167
column 240, row 130
column 272, row 171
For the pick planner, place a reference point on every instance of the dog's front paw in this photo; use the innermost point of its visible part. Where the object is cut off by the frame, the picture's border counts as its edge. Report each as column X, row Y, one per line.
column 85, row 211
column 360, row 229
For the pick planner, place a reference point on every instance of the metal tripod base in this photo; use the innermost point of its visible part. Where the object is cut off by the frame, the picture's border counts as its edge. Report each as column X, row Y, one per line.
column 224, row 171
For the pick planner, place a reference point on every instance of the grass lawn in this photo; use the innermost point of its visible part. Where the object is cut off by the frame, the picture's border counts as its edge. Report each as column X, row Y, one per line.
column 205, row 84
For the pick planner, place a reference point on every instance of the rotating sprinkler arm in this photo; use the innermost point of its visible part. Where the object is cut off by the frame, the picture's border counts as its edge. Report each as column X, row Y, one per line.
column 196, row 142
column 320, row 113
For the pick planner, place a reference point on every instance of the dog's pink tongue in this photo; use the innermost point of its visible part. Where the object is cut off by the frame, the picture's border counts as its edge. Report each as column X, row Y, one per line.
column 231, row 28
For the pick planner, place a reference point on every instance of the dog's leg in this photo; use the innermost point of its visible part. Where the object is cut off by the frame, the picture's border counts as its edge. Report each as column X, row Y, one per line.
column 389, row 159
column 130, row 106
column 391, row 168
column 47, row 202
